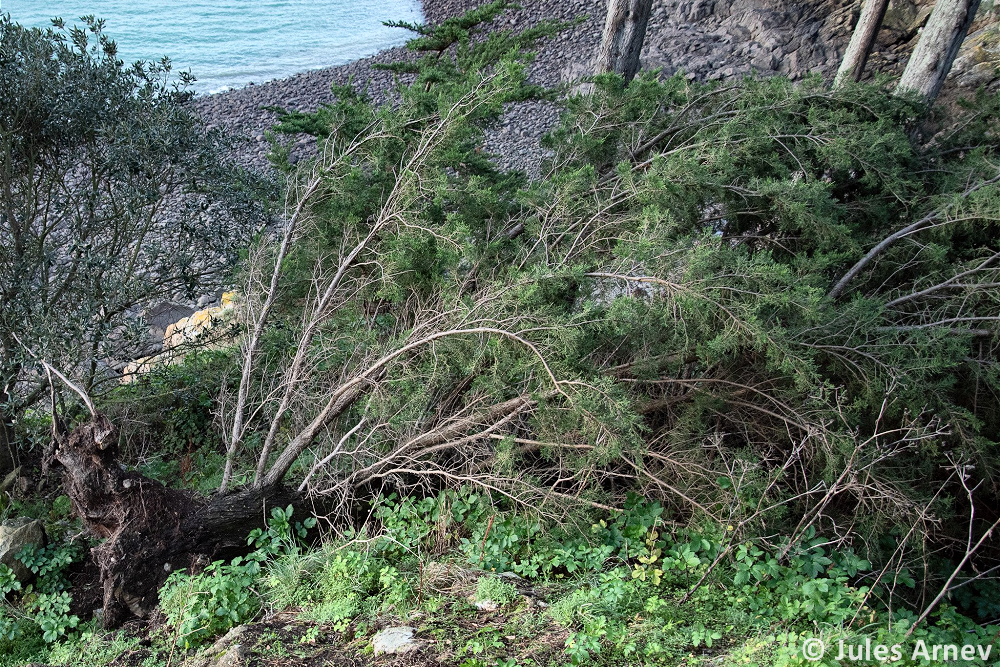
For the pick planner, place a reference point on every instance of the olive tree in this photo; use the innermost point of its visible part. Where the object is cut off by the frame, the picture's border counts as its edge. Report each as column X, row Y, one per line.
column 113, row 196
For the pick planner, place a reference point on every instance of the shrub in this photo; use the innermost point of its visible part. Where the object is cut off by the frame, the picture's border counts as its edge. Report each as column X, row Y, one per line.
column 91, row 150
column 224, row 595
column 45, row 603
column 199, row 607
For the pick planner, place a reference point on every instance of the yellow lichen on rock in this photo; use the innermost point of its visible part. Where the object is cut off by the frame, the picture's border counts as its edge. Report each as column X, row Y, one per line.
column 179, row 336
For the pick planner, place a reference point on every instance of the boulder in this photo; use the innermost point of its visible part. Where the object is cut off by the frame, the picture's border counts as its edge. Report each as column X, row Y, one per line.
column 395, row 640
column 16, row 534
column 486, row 605
column 905, row 17
column 236, row 656
column 162, row 315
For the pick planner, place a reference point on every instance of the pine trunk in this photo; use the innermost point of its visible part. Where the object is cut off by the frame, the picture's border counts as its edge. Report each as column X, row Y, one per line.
column 939, row 43
column 624, row 32
column 149, row 529
column 862, row 41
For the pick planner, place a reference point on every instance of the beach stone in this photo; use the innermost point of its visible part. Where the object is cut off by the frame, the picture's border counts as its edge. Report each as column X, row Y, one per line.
column 395, row 640
column 227, row 651
column 236, row 656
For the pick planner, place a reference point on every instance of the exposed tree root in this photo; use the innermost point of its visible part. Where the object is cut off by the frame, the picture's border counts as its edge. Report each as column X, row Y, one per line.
column 149, row 529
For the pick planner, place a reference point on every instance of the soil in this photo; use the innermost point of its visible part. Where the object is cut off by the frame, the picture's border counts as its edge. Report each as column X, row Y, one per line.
column 88, row 592
column 283, row 640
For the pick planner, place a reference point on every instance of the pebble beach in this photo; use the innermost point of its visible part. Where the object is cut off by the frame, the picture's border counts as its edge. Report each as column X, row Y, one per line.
column 704, row 39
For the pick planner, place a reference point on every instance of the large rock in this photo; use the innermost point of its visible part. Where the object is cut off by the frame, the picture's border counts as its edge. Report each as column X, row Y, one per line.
column 14, row 536
column 904, row 18
column 395, row 640
column 236, row 656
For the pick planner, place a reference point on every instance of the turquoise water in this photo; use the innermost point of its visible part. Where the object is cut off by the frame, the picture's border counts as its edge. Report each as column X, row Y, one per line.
column 228, row 43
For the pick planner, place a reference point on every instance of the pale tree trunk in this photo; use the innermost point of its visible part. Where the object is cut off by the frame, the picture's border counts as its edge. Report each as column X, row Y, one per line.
column 624, row 32
column 852, row 67
column 939, row 44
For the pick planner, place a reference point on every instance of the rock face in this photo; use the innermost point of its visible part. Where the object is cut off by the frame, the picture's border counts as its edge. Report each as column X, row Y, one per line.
column 978, row 63
column 14, row 536
column 395, row 640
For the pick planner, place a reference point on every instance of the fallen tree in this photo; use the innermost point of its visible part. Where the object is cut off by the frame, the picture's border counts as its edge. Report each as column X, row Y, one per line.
column 727, row 321
column 150, row 530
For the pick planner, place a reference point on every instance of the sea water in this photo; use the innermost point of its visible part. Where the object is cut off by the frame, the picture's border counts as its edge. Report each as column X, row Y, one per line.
column 229, row 43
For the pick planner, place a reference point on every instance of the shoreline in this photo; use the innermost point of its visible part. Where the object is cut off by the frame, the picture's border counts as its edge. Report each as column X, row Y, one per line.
column 700, row 37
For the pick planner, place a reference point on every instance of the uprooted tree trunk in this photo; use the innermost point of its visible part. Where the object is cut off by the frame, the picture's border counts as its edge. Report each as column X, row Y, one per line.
column 151, row 530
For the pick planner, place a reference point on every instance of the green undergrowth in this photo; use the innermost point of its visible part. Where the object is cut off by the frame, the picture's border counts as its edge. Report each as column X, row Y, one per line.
column 486, row 585
column 42, row 609
column 168, row 417
column 621, row 589
column 37, row 613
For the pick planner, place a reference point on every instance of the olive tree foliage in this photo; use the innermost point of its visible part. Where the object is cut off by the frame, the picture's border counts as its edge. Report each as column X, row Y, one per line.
column 112, row 196
column 762, row 303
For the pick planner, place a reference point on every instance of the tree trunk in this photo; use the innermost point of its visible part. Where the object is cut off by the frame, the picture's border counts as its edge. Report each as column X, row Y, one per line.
column 7, row 462
column 149, row 529
column 852, row 67
column 624, row 32
column 935, row 52
column 8, row 453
